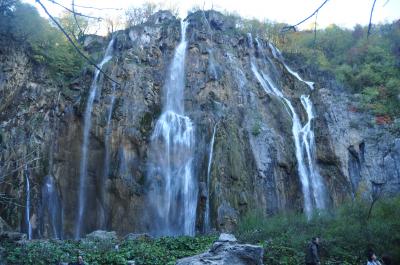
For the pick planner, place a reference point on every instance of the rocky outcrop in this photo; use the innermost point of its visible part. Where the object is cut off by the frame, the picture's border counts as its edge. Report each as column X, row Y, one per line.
column 227, row 251
column 100, row 235
column 354, row 149
column 254, row 165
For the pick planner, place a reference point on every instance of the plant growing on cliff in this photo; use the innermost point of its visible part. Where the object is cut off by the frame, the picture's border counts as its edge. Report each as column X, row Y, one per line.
column 256, row 129
column 369, row 67
column 45, row 44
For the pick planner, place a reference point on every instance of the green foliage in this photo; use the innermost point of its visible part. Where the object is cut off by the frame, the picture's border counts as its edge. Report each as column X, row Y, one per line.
column 369, row 67
column 346, row 233
column 161, row 251
column 48, row 46
column 76, row 26
column 256, row 129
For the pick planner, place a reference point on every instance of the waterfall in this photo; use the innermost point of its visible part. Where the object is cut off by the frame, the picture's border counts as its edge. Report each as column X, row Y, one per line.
column 278, row 55
column 51, row 210
column 312, row 184
column 85, row 144
column 310, row 147
column 308, row 135
column 51, row 205
column 106, row 169
column 207, row 223
column 240, row 78
column 173, row 187
column 28, row 204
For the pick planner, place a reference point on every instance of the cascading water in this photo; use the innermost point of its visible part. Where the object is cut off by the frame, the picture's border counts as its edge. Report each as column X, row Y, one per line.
column 106, row 169
column 173, row 187
column 278, row 55
column 28, row 204
column 85, row 144
column 312, row 184
column 207, row 223
column 318, row 186
column 240, row 78
column 51, row 207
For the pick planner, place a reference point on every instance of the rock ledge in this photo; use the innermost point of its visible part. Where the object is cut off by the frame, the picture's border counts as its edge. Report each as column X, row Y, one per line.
column 226, row 251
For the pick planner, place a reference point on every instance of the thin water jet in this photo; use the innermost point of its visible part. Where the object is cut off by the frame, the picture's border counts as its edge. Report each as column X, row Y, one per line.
column 86, row 130
column 313, row 188
column 207, row 222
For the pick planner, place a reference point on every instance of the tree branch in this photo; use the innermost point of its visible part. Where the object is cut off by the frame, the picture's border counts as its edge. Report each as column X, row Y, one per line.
column 76, row 20
column 304, row 20
column 75, row 13
column 370, row 19
column 74, row 45
column 97, row 8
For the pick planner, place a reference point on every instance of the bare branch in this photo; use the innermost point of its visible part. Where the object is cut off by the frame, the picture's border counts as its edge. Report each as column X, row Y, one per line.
column 6, row 199
column 20, row 167
column 315, row 36
column 315, row 30
column 72, row 11
column 370, row 19
column 74, row 45
column 97, row 8
column 76, row 20
column 304, row 20
column 387, row 1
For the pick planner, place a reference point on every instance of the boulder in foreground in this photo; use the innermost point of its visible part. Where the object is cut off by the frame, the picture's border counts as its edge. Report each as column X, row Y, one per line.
column 227, row 251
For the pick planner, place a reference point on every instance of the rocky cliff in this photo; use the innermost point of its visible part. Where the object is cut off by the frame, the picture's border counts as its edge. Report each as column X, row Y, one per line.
column 254, row 165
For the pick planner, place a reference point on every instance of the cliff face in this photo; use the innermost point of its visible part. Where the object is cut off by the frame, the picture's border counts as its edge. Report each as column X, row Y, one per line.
column 254, row 165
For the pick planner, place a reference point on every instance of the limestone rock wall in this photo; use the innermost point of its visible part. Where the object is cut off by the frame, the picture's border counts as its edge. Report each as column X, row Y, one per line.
column 254, row 164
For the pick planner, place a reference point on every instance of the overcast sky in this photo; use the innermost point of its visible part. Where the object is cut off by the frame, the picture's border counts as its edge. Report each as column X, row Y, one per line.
column 344, row 13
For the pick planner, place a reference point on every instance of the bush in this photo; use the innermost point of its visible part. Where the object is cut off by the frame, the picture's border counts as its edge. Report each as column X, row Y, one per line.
column 161, row 251
column 46, row 44
column 346, row 233
column 365, row 66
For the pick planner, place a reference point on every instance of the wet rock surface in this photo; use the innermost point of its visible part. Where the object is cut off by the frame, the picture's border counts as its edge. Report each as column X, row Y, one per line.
column 254, row 164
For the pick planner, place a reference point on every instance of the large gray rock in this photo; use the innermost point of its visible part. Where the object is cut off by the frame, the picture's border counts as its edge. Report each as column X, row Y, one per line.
column 226, row 251
column 133, row 236
column 101, row 235
column 12, row 236
column 4, row 226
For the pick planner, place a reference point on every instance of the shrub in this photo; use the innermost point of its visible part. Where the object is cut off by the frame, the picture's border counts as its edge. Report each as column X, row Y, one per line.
column 161, row 251
column 346, row 233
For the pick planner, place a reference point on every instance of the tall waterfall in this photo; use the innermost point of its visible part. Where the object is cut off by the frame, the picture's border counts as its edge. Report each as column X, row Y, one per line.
column 207, row 224
column 51, row 207
column 106, row 169
column 173, row 187
column 85, row 144
column 312, row 185
column 28, row 204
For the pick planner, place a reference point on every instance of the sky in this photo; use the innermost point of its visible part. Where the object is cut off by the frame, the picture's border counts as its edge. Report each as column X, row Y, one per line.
column 345, row 13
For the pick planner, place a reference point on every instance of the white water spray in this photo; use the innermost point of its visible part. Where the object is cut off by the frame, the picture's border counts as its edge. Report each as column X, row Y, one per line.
column 85, row 144
column 207, row 223
column 312, row 185
column 173, row 187
column 51, row 204
column 28, row 204
column 106, row 169
column 278, row 55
